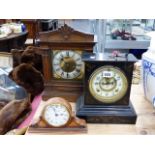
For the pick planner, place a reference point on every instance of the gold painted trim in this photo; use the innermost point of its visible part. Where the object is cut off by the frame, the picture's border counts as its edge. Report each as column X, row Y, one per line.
column 56, row 76
column 68, row 108
column 116, row 97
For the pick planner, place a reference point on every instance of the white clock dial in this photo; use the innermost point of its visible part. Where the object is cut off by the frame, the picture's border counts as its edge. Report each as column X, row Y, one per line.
column 56, row 115
column 67, row 64
column 108, row 84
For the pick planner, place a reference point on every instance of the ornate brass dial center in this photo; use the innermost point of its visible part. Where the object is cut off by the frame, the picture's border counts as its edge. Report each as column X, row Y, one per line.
column 68, row 64
column 107, row 84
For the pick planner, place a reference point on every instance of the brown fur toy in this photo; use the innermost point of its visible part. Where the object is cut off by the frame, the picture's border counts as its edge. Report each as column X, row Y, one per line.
column 32, row 56
column 28, row 77
column 13, row 114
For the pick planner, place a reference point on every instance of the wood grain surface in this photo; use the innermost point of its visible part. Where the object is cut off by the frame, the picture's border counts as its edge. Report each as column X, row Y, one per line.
column 145, row 122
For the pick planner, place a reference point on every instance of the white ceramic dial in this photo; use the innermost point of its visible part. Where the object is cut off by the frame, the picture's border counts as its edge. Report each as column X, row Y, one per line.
column 56, row 115
column 67, row 64
column 108, row 84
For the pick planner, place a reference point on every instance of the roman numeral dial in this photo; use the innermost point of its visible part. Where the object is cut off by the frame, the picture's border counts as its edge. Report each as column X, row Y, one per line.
column 67, row 64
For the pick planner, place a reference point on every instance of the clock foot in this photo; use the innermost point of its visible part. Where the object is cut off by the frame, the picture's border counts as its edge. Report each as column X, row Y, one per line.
column 76, row 126
column 106, row 114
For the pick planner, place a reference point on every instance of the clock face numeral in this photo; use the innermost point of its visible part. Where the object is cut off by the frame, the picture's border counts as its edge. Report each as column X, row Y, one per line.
column 67, row 54
column 56, row 115
column 108, row 84
column 67, row 64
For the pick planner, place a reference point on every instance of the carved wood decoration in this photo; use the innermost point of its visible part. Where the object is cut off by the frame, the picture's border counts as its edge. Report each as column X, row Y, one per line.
column 64, row 38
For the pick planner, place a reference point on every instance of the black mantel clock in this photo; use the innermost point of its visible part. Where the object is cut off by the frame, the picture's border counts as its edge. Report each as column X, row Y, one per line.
column 107, row 85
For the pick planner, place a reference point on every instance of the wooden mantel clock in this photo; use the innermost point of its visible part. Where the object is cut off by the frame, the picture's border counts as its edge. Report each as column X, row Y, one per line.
column 63, row 65
column 107, row 85
column 56, row 116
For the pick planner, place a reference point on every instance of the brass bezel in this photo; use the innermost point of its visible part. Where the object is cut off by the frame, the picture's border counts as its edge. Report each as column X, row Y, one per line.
column 56, row 76
column 112, row 99
column 68, row 108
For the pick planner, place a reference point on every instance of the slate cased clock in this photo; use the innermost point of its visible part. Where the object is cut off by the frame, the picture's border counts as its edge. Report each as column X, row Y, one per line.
column 107, row 85
column 63, row 65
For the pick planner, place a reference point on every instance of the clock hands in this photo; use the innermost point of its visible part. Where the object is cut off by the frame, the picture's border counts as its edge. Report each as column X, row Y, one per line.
column 67, row 64
column 108, row 81
column 108, row 84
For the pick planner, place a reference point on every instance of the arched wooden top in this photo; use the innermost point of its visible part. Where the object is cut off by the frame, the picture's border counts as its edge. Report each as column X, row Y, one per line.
column 65, row 34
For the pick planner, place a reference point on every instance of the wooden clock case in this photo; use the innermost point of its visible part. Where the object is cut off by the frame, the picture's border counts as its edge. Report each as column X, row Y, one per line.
column 64, row 38
column 95, row 111
column 74, row 124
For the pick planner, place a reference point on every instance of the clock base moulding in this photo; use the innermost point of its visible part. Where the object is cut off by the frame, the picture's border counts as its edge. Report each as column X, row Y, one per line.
column 124, row 114
column 76, row 126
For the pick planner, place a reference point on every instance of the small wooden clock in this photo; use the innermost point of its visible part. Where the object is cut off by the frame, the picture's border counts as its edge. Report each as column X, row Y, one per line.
column 63, row 65
column 55, row 116
column 107, row 85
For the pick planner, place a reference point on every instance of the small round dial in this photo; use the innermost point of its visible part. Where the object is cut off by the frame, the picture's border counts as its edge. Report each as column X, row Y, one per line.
column 67, row 64
column 57, row 114
column 108, row 84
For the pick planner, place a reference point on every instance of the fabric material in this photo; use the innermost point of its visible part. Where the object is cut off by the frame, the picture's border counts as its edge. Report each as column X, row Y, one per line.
column 34, row 105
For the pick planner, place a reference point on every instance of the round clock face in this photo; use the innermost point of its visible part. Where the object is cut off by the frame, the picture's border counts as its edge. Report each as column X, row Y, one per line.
column 67, row 64
column 56, row 115
column 108, row 84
